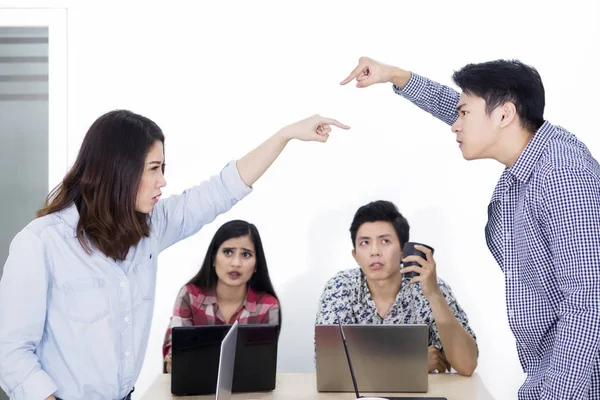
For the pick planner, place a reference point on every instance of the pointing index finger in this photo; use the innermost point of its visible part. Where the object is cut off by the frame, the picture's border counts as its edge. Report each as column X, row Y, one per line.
column 334, row 122
column 353, row 74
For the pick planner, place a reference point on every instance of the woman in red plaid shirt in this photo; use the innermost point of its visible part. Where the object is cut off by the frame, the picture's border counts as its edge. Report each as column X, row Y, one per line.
column 233, row 284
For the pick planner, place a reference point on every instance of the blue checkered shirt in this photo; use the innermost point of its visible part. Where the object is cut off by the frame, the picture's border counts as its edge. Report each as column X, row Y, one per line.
column 544, row 231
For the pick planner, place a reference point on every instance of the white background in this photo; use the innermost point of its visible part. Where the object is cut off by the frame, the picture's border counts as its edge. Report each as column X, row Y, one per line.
column 220, row 77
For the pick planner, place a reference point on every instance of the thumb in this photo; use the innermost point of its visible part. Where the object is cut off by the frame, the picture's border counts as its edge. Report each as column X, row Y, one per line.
column 366, row 82
column 322, row 138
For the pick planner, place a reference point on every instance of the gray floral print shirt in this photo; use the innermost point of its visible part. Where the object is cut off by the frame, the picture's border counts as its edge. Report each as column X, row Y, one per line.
column 347, row 298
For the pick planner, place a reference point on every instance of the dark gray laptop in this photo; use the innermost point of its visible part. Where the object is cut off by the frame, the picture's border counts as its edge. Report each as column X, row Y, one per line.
column 386, row 358
column 358, row 396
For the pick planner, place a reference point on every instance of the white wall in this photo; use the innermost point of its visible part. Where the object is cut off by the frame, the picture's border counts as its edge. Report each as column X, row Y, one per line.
column 222, row 76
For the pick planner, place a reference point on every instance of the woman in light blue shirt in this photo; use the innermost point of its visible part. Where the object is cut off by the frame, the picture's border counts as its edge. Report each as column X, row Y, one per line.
column 77, row 293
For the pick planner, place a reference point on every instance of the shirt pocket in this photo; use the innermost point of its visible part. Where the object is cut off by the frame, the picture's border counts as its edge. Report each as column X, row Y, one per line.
column 86, row 300
column 145, row 276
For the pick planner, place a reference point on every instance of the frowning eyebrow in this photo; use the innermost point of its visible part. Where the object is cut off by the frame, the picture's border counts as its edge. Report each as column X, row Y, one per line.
column 234, row 248
column 385, row 235
column 460, row 106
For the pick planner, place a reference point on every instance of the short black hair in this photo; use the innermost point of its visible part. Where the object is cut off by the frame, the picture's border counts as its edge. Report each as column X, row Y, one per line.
column 501, row 81
column 380, row 210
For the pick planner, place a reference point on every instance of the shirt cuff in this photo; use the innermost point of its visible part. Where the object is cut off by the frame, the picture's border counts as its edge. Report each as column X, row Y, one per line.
column 37, row 386
column 233, row 181
column 413, row 88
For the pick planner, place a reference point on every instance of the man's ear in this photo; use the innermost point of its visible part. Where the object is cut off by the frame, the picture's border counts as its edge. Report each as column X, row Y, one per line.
column 508, row 114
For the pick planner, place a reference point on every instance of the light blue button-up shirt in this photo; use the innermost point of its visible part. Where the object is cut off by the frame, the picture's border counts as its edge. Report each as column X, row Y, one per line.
column 77, row 325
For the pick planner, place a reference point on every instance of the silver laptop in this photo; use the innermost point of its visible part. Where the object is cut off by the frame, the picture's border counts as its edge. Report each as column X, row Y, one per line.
column 386, row 358
column 226, row 364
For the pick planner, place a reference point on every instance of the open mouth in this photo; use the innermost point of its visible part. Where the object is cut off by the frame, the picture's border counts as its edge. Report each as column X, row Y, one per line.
column 376, row 265
column 234, row 275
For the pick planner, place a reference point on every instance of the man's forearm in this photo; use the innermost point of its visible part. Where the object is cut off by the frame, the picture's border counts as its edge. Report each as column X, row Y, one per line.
column 459, row 346
column 399, row 77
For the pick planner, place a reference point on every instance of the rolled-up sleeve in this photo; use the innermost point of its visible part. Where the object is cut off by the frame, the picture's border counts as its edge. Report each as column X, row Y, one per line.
column 183, row 215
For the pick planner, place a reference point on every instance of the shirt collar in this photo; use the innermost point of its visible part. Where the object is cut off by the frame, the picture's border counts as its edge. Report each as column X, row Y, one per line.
column 70, row 216
column 523, row 167
column 249, row 303
column 364, row 295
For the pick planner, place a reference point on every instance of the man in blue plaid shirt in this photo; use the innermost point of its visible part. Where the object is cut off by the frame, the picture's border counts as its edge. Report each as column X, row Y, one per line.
column 543, row 219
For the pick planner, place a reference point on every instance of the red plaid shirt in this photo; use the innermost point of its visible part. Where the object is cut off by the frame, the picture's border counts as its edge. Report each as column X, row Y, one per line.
column 194, row 307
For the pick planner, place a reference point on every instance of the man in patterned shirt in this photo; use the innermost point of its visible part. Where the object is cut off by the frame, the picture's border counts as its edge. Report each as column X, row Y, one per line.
column 377, row 293
column 543, row 218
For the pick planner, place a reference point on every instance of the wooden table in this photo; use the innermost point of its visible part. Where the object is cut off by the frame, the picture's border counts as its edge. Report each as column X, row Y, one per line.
column 304, row 386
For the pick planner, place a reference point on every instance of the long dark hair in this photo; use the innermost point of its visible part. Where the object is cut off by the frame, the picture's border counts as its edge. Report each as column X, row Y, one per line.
column 206, row 278
column 104, row 181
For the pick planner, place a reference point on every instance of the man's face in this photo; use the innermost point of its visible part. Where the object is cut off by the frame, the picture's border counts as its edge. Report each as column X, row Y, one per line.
column 476, row 132
column 377, row 250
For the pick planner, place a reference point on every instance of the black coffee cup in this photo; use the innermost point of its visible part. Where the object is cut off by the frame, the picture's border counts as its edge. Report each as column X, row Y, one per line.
column 409, row 250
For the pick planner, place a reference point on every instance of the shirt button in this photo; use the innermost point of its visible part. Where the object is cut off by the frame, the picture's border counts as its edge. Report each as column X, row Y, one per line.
column 123, row 284
column 126, row 319
column 127, row 354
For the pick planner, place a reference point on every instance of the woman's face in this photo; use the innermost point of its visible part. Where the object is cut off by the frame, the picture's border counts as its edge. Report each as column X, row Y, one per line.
column 152, row 179
column 235, row 261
